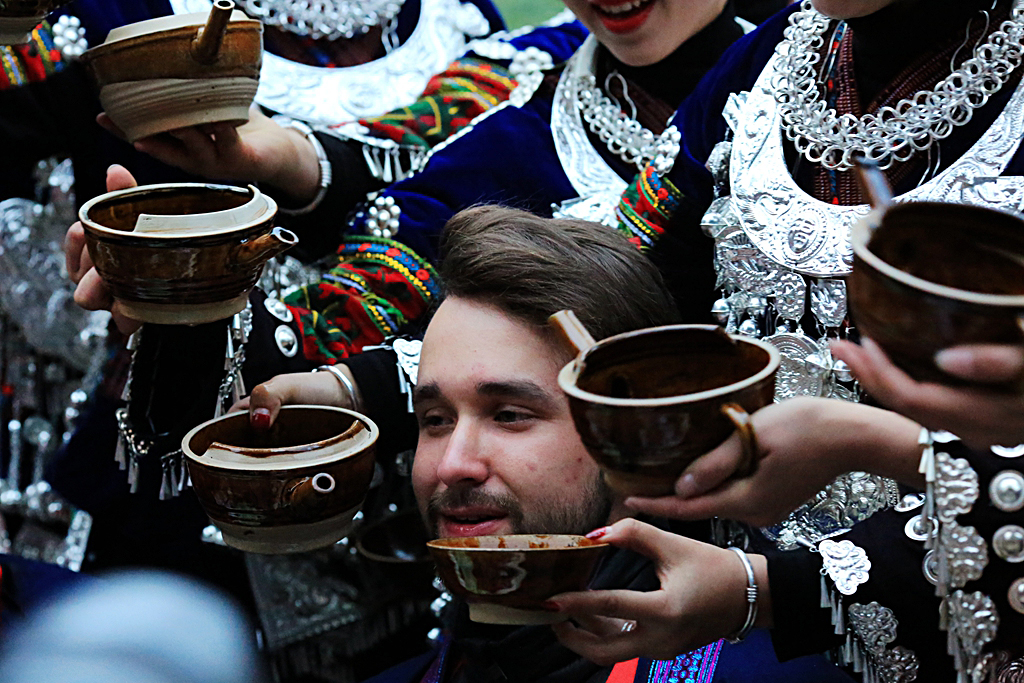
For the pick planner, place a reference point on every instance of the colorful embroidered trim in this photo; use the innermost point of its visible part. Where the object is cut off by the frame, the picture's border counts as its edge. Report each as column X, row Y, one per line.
column 646, row 207
column 376, row 287
column 693, row 667
column 452, row 99
column 32, row 62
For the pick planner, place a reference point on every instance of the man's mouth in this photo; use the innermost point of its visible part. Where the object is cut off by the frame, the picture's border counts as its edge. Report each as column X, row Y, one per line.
column 458, row 522
column 623, row 17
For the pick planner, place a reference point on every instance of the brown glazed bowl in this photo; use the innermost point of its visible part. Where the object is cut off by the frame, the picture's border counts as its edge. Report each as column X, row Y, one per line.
column 178, row 71
column 931, row 276
column 507, row 579
column 294, row 488
column 18, row 18
column 649, row 402
column 187, row 278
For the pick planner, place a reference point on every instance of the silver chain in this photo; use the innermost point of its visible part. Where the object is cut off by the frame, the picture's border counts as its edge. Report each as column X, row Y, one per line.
column 623, row 135
column 330, row 19
column 892, row 134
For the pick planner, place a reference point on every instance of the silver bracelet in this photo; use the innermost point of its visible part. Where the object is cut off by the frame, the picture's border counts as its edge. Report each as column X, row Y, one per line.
column 751, row 598
column 346, row 384
column 326, row 171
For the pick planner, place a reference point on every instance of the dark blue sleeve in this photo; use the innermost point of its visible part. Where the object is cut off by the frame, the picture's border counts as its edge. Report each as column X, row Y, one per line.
column 559, row 41
column 507, row 158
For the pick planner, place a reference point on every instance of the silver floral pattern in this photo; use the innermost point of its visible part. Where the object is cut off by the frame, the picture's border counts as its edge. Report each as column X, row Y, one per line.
column 956, row 487
column 845, row 563
column 965, row 552
column 973, row 619
column 874, row 628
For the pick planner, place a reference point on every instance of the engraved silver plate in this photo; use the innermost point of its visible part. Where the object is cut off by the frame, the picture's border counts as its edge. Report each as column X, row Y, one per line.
column 811, row 236
column 335, row 95
column 1008, row 543
column 845, row 563
column 792, row 379
column 587, row 171
column 828, row 301
column 1007, row 491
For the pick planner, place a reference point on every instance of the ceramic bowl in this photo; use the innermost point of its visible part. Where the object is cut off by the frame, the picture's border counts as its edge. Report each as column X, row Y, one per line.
column 649, row 402
column 200, row 273
column 293, row 488
column 506, row 579
column 927, row 276
column 158, row 75
column 18, row 18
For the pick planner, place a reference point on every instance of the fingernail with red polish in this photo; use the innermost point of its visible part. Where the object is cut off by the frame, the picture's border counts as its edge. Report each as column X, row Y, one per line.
column 551, row 606
column 260, row 418
column 597, row 533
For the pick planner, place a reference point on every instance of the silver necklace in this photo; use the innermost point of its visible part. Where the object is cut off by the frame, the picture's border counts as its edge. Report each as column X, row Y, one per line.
column 330, row 19
column 892, row 134
column 624, row 135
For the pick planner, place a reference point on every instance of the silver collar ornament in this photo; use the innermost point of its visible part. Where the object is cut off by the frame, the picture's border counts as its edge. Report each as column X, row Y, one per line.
column 330, row 19
column 329, row 96
column 580, row 104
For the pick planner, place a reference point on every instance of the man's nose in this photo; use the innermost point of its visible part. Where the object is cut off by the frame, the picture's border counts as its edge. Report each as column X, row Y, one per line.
column 464, row 459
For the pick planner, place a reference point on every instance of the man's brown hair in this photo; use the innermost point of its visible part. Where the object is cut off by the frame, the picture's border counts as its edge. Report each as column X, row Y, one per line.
column 530, row 267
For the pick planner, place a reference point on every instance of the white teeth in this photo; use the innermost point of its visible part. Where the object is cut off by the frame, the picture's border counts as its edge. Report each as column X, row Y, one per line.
column 622, row 9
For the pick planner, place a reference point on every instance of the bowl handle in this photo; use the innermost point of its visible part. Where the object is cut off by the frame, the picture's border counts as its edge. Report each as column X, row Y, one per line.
column 573, row 335
column 748, row 439
column 307, row 488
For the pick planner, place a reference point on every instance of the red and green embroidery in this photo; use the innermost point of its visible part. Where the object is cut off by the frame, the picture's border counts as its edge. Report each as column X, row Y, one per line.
column 646, row 207
column 376, row 287
column 452, row 99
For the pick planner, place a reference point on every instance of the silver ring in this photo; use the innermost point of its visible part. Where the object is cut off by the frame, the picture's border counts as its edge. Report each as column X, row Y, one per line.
column 628, row 626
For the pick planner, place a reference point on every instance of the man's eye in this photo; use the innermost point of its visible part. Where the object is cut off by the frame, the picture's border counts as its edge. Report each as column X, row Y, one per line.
column 512, row 416
column 433, row 421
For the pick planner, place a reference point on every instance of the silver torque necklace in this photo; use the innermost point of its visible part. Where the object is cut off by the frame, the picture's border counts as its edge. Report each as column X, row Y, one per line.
column 892, row 134
column 624, row 135
column 330, row 19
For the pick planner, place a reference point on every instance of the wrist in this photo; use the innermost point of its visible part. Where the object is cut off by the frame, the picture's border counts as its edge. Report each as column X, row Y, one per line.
column 296, row 178
column 876, row 441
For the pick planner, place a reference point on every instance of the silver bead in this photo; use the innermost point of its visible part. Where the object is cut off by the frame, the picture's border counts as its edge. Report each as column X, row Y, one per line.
column 749, row 328
column 1007, row 491
column 1008, row 543
column 842, row 371
column 721, row 311
column 1016, row 595
column 277, row 308
column 817, row 364
column 930, row 568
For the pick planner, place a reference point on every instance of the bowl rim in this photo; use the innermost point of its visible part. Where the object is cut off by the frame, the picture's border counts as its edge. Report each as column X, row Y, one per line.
column 371, row 427
column 171, row 32
column 435, row 544
column 569, row 375
column 860, row 235
column 89, row 224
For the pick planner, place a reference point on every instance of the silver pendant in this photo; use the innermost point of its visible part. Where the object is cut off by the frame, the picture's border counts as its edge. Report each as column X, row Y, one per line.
column 845, row 563
column 973, row 618
column 287, row 342
column 956, row 487
column 828, row 301
column 965, row 552
column 278, row 309
column 792, row 378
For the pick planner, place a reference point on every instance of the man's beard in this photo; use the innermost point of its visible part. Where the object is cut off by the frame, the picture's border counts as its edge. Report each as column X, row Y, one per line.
column 591, row 513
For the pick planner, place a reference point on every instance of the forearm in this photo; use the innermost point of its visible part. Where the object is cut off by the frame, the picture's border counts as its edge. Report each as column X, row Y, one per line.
column 876, row 441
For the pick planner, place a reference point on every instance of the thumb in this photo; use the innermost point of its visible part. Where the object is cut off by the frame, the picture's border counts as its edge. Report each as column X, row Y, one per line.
column 264, row 406
column 119, row 178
